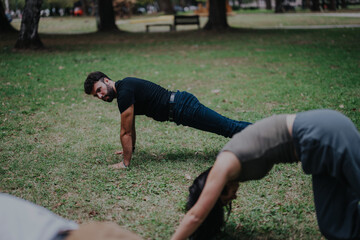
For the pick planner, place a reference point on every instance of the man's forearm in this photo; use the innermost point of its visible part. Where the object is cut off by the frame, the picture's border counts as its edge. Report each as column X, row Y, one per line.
column 127, row 145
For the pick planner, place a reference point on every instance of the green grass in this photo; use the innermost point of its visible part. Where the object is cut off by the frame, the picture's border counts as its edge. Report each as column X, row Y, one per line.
column 57, row 142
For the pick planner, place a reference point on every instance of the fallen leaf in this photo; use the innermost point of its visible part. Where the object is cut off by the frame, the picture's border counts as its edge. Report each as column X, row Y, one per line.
column 61, row 67
column 341, row 106
column 216, row 91
column 57, row 205
column 93, row 213
column 187, row 176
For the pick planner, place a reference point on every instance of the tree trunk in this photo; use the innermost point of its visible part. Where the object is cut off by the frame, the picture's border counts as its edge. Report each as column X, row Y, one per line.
column 315, row 5
column 166, row 6
column 217, row 16
column 268, row 4
column 306, row 4
column 85, row 7
column 343, row 4
column 278, row 6
column 5, row 26
column 106, row 16
column 29, row 37
column 332, row 5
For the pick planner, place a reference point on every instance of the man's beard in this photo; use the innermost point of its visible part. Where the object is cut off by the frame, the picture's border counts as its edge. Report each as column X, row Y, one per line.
column 111, row 94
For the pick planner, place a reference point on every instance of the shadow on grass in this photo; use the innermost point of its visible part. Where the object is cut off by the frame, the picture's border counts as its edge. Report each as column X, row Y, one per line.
column 245, row 236
column 104, row 40
column 249, row 230
column 179, row 155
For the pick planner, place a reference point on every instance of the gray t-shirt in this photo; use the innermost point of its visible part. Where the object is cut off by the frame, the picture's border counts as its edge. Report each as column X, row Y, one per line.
column 23, row 220
column 261, row 145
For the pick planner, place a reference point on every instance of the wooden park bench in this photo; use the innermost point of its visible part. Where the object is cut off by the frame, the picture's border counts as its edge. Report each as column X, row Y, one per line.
column 186, row 20
column 178, row 20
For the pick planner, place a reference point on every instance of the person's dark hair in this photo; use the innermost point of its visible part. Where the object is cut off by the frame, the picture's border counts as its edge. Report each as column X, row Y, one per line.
column 215, row 220
column 91, row 79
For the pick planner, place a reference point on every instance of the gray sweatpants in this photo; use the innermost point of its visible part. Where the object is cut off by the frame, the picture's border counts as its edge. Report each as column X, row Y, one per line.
column 328, row 145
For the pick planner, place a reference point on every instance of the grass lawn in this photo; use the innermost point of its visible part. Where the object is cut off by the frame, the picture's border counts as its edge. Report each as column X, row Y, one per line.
column 57, row 142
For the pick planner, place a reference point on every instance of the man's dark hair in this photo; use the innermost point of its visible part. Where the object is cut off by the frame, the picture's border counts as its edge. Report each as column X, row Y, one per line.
column 91, row 79
column 215, row 220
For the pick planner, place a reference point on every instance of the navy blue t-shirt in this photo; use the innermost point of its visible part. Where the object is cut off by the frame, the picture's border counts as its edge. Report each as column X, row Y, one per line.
column 148, row 98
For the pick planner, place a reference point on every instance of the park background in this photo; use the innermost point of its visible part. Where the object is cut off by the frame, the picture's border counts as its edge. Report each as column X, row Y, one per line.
column 57, row 142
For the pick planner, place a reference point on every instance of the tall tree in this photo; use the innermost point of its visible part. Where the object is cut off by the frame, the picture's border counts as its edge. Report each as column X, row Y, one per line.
column 268, row 4
column 343, row 4
column 305, row 4
column 5, row 26
column 315, row 5
column 106, row 16
column 279, row 6
column 29, row 36
column 332, row 5
column 217, row 15
column 166, row 6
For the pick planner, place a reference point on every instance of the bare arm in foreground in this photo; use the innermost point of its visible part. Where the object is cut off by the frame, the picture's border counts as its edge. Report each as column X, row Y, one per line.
column 226, row 168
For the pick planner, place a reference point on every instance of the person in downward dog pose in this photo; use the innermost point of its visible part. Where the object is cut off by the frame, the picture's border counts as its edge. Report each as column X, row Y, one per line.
column 326, row 143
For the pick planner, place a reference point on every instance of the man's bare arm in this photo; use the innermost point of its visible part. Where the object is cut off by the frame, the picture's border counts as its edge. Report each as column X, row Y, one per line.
column 126, row 133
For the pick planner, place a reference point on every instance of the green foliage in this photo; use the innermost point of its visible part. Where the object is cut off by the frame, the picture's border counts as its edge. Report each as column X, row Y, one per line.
column 58, row 3
column 145, row 2
column 16, row 4
column 57, row 142
column 20, row 4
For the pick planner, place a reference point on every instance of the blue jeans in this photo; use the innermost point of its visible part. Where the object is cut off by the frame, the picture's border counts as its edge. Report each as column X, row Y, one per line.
column 328, row 145
column 188, row 111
